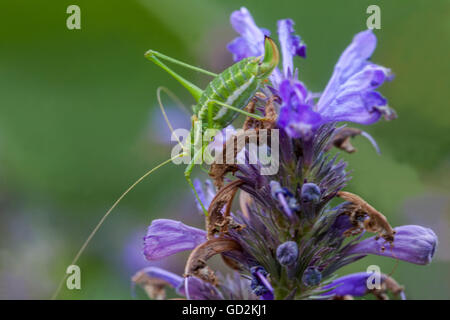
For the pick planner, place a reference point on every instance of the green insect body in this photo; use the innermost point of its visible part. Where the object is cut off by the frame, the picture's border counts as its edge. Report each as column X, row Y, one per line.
column 230, row 91
column 235, row 86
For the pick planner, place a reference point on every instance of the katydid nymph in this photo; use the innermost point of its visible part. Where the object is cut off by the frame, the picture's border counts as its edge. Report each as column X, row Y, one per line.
column 217, row 106
column 224, row 97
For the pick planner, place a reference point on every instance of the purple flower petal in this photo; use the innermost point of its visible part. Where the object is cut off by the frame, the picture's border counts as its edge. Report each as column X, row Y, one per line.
column 341, row 224
column 197, row 289
column 350, row 94
column 354, row 284
column 351, row 107
column 293, row 93
column 367, row 79
column 412, row 243
column 299, row 123
column 166, row 237
column 291, row 45
column 241, row 49
column 352, row 60
column 267, row 296
column 296, row 117
column 251, row 42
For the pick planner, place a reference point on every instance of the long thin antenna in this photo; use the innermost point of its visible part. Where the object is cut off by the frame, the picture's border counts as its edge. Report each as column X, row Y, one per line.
column 163, row 110
column 102, row 220
column 177, row 100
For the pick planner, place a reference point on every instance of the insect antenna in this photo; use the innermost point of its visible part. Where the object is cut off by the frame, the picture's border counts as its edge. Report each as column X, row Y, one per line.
column 102, row 220
column 177, row 100
column 163, row 110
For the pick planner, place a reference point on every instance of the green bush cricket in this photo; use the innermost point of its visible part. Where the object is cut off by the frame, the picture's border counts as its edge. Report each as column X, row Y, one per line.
column 217, row 106
column 225, row 96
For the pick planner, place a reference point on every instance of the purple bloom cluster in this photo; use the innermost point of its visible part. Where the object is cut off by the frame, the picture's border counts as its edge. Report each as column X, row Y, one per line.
column 286, row 241
column 350, row 95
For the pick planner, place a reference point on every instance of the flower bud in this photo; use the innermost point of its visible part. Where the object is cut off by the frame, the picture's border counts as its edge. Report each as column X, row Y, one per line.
column 312, row 276
column 287, row 253
column 310, row 193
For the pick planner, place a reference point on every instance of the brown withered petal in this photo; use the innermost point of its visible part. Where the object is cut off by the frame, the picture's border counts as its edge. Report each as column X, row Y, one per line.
column 250, row 129
column 342, row 139
column 216, row 221
column 377, row 222
column 233, row 264
column 388, row 285
column 154, row 288
column 196, row 264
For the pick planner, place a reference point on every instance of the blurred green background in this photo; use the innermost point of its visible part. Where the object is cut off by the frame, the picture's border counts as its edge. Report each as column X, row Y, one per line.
column 77, row 126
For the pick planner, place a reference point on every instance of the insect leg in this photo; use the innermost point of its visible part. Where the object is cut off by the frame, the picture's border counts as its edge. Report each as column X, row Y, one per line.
column 166, row 118
column 187, row 174
column 195, row 91
column 248, row 114
column 175, row 61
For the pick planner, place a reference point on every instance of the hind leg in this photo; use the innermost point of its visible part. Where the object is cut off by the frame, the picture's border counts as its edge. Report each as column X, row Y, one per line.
column 187, row 174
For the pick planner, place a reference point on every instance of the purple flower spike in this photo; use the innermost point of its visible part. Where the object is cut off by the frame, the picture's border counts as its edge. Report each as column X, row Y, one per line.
column 289, row 240
column 350, row 94
column 412, row 243
column 251, row 41
column 291, row 45
column 197, row 289
column 166, row 237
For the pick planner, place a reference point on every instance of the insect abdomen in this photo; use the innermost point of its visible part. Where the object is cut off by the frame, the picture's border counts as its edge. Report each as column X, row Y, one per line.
column 235, row 86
